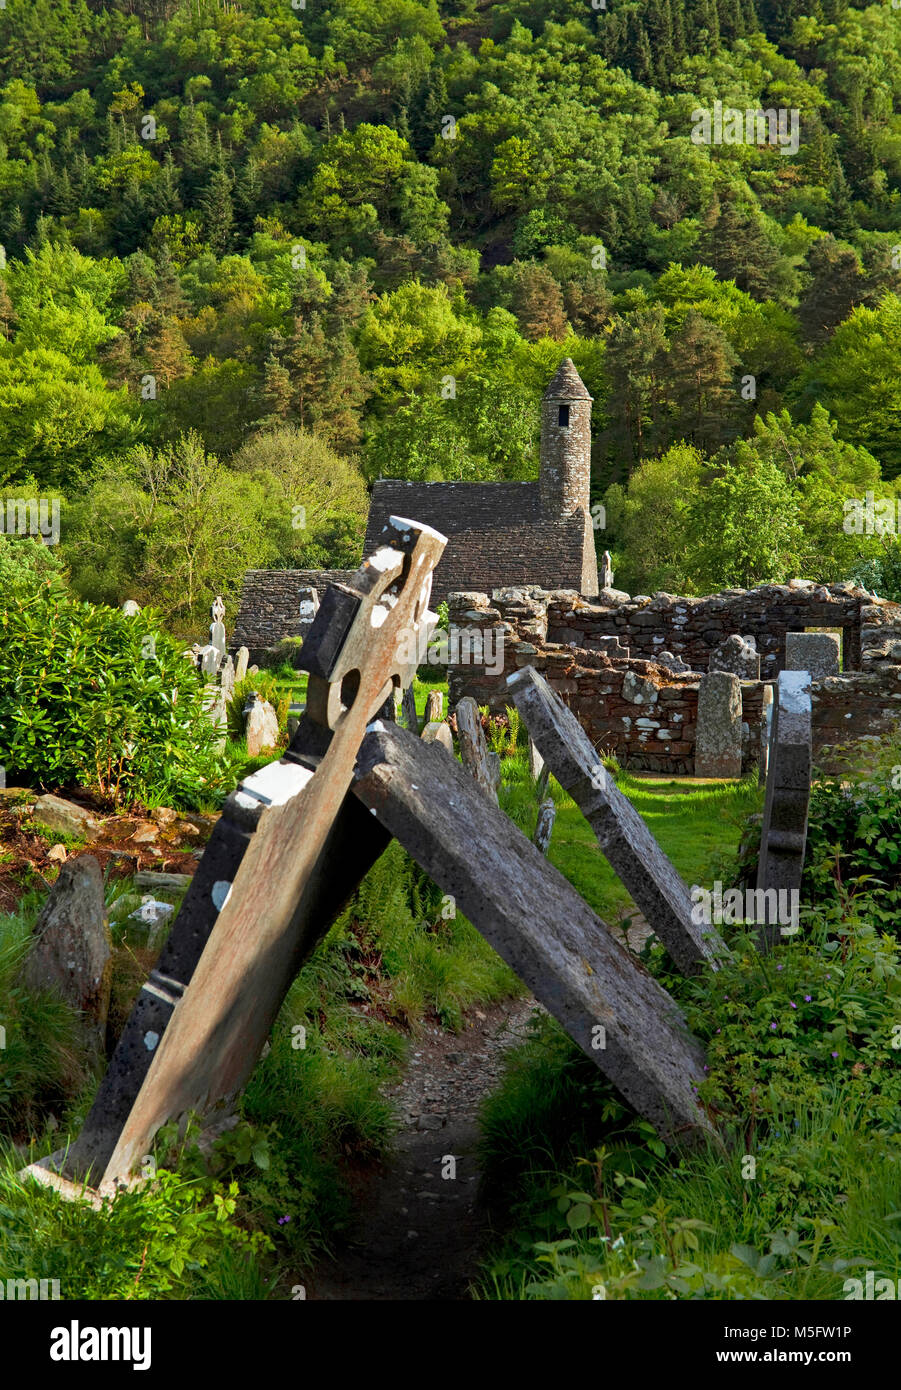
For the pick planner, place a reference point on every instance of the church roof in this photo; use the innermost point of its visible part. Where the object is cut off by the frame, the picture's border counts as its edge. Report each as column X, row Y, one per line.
column 566, row 384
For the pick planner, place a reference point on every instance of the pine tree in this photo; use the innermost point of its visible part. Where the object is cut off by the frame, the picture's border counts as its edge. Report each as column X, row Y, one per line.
column 840, row 219
column 837, row 285
column 217, row 211
column 538, row 302
column 736, row 246
column 700, row 367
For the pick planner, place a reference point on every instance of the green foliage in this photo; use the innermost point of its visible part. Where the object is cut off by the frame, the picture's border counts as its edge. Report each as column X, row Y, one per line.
column 90, row 696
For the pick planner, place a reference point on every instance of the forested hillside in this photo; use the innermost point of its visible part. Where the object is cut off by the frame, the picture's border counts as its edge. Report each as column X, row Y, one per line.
column 258, row 255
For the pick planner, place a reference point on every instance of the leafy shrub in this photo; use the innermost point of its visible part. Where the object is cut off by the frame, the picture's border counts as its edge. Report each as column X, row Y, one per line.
column 93, row 697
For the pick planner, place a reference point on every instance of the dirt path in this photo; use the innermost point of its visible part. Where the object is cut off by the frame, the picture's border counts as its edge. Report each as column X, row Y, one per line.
column 422, row 1229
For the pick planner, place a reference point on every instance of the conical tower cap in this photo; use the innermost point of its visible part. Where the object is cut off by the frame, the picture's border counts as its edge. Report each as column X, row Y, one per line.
column 566, row 385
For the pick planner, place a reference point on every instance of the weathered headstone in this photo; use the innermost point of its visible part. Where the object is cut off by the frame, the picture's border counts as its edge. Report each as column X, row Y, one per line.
column 227, row 679
column 605, row 577
column 130, row 608
column 816, row 652
column 434, row 707
column 736, row 655
column 607, row 1002
column 439, row 731
column 241, row 661
column 766, row 729
column 718, row 733
column 70, row 950
column 672, row 663
column 547, row 813
column 536, row 761
column 260, row 726
column 784, row 835
column 408, row 704
column 210, row 657
column 626, row 841
column 308, row 607
column 474, row 751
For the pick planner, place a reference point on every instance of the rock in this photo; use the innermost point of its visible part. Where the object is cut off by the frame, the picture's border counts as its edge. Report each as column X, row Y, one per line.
column 260, row 726
column 163, row 815
column 70, row 948
column 65, row 817
column 145, row 834
column 58, row 853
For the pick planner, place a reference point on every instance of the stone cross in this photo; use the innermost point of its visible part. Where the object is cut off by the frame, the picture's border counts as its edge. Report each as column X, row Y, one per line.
column 783, row 838
column 718, row 735
column 217, row 626
column 289, row 849
column 736, row 654
column 612, row 1008
column 634, row 854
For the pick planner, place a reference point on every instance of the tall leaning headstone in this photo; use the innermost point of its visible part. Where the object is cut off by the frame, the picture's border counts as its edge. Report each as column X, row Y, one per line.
column 718, row 734
column 783, row 838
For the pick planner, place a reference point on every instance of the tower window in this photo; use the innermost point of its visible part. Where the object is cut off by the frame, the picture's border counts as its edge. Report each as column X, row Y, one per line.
column 563, row 416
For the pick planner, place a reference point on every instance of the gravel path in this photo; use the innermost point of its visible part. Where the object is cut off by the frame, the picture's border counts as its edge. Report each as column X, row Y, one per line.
column 422, row 1228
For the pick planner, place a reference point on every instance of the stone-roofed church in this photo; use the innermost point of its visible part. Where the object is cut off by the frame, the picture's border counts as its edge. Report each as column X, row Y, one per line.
column 512, row 533
column 499, row 534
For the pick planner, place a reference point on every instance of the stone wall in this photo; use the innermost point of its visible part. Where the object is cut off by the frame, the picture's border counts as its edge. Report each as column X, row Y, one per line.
column 270, row 607
column 644, row 712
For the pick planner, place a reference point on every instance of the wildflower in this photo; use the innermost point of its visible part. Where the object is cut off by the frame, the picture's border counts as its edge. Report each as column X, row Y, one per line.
column 834, row 1054
column 773, row 1027
column 283, row 1220
column 793, row 1004
column 807, row 998
column 778, row 967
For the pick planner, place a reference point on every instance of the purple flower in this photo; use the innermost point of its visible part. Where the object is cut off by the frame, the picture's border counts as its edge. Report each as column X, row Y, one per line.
column 807, row 998
column 706, row 1068
column 793, row 1004
column 773, row 1027
column 283, row 1220
column 835, row 1054
column 778, row 967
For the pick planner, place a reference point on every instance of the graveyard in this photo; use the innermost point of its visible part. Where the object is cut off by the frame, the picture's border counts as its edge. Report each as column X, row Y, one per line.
column 638, row 1024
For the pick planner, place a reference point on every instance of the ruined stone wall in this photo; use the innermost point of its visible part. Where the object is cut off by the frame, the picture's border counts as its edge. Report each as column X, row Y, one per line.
column 691, row 627
column 644, row 712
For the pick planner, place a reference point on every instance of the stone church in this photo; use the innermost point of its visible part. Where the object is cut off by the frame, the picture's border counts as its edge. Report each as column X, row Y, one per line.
column 499, row 534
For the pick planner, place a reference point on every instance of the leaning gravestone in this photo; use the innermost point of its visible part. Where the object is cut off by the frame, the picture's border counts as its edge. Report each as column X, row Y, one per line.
column 408, row 704
column 816, row 652
column 718, row 733
column 608, row 1003
column 634, row 854
column 241, row 661
column 784, row 835
column 70, row 950
column 736, row 654
column 474, row 751
column 290, row 847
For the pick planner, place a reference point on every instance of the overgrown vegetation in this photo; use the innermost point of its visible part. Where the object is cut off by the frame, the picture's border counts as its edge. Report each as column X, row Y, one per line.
column 803, row 1080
